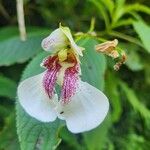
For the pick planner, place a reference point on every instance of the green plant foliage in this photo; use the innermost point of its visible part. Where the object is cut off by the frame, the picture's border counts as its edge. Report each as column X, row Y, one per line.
column 127, row 126
column 135, row 102
column 134, row 61
column 114, row 96
column 97, row 138
column 7, row 87
column 8, row 136
column 143, row 31
column 13, row 50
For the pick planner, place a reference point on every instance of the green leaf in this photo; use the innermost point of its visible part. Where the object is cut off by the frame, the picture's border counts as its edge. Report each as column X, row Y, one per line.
column 134, row 62
column 13, row 50
column 102, row 12
column 8, row 136
column 93, row 64
column 109, row 4
column 32, row 133
column 134, row 101
column 143, row 30
column 137, row 7
column 7, row 87
column 11, row 31
column 7, row 32
column 119, row 10
column 70, row 139
column 96, row 139
column 114, row 97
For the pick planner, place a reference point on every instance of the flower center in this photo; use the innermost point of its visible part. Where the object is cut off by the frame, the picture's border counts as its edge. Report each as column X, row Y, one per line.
column 66, row 73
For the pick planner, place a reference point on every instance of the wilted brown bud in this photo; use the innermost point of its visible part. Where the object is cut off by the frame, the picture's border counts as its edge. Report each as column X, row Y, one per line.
column 121, row 62
column 108, row 48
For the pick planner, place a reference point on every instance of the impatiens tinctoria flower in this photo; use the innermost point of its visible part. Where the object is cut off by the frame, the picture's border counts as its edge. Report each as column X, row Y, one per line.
column 81, row 105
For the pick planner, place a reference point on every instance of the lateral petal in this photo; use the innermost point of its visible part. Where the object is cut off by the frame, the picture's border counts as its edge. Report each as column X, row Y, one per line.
column 34, row 99
column 86, row 110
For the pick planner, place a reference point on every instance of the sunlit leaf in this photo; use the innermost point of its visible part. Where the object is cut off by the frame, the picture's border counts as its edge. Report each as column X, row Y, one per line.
column 137, row 7
column 143, row 30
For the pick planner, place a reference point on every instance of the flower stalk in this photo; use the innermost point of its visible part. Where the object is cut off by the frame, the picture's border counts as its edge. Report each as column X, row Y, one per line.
column 21, row 20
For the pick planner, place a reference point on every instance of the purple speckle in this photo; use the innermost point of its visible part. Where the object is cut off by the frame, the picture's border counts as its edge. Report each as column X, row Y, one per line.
column 50, row 76
column 70, row 83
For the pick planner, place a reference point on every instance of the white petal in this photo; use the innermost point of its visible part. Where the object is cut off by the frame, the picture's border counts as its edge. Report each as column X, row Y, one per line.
column 55, row 42
column 34, row 99
column 86, row 110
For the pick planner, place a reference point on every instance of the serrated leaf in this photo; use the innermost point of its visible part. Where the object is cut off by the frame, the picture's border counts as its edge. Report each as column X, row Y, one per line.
column 30, row 130
column 7, row 87
column 143, row 30
column 13, row 50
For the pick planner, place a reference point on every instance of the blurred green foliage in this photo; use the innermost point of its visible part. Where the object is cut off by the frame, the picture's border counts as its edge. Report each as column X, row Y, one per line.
column 127, row 126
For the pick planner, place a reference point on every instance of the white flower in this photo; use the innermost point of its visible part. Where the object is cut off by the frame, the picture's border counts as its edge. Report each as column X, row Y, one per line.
column 85, row 111
column 81, row 105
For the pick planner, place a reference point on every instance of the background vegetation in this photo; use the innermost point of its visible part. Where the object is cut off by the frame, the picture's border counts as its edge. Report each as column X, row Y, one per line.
column 127, row 126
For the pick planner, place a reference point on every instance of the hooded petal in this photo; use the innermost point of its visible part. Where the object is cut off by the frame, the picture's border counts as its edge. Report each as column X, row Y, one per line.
column 86, row 110
column 35, row 101
column 74, row 46
column 55, row 42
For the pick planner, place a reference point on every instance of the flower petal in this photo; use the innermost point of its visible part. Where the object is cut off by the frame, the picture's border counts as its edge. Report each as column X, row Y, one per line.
column 86, row 110
column 55, row 42
column 34, row 99
column 74, row 46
